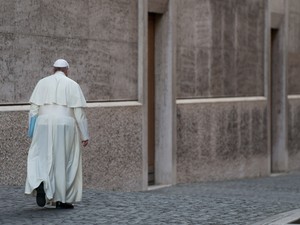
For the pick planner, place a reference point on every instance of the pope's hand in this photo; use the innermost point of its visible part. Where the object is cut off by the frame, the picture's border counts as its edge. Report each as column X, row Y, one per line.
column 85, row 143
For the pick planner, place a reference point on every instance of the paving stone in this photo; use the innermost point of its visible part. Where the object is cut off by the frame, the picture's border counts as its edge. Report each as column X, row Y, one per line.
column 236, row 202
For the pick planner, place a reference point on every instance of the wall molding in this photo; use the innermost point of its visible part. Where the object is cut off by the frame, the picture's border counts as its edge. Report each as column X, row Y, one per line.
column 221, row 100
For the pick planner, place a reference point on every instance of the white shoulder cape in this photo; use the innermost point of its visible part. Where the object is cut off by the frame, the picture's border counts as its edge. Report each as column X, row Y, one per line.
column 58, row 89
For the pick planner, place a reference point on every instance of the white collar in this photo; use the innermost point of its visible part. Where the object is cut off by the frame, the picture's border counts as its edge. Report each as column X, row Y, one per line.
column 60, row 73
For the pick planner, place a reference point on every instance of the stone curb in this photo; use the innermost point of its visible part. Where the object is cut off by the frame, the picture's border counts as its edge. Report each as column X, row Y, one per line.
column 282, row 218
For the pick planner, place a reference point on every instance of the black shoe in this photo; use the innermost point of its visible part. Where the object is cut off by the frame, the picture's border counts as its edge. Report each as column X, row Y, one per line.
column 60, row 205
column 40, row 196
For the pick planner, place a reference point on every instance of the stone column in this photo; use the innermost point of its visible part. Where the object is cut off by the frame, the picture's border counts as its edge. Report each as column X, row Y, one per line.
column 278, row 86
column 142, row 82
column 165, row 82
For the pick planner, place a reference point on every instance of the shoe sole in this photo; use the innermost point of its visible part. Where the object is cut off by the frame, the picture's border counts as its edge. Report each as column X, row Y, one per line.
column 60, row 205
column 40, row 196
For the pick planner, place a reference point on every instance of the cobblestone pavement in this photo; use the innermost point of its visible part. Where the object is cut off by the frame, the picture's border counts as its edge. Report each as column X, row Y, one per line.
column 231, row 202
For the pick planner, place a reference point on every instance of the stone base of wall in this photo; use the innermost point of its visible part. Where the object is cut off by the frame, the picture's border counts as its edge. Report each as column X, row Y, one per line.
column 222, row 140
column 14, row 145
column 112, row 160
column 294, row 132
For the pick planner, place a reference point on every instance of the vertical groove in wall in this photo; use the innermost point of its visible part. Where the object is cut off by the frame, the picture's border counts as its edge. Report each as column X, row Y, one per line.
column 142, row 82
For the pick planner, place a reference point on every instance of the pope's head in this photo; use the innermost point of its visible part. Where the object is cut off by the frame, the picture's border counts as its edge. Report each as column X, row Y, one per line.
column 61, row 65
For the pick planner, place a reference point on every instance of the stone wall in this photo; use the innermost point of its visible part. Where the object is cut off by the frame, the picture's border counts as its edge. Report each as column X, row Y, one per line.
column 294, row 133
column 112, row 160
column 14, row 147
column 221, row 134
column 221, row 140
column 220, row 53
column 98, row 38
column 294, row 48
column 294, row 85
column 220, row 48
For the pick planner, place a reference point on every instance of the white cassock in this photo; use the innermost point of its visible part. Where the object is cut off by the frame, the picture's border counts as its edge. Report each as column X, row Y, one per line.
column 54, row 156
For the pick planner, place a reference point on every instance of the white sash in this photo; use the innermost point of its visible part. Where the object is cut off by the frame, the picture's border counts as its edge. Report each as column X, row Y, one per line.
column 56, row 110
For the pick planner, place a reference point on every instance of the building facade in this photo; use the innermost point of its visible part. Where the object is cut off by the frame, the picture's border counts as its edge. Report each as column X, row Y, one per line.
column 178, row 90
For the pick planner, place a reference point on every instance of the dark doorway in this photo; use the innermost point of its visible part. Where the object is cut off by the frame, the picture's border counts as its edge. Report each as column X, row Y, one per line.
column 151, row 98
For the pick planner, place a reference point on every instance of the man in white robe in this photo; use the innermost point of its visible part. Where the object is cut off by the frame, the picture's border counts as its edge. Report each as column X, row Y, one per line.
column 57, row 124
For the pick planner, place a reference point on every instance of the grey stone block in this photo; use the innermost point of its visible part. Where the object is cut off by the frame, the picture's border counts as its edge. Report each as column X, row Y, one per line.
column 203, row 71
column 14, row 147
column 221, row 140
column 113, row 161
column 27, row 17
column 222, row 47
column 42, row 31
column 294, row 133
column 186, row 70
column 293, row 74
column 113, row 20
column 7, row 64
column 194, row 23
column 112, row 70
column 217, row 73
column 294, row 6
column 7, row 15
column 64, row 18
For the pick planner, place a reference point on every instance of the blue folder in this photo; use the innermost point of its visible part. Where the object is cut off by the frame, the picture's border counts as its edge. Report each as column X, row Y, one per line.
column 31, row 126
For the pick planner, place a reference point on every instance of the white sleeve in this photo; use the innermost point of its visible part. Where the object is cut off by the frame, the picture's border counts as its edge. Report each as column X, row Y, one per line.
column 34, row 111
column 82, row 123
column 32, row 117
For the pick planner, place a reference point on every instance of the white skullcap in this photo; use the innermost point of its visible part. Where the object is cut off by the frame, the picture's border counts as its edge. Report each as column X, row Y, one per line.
column 61, row 63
